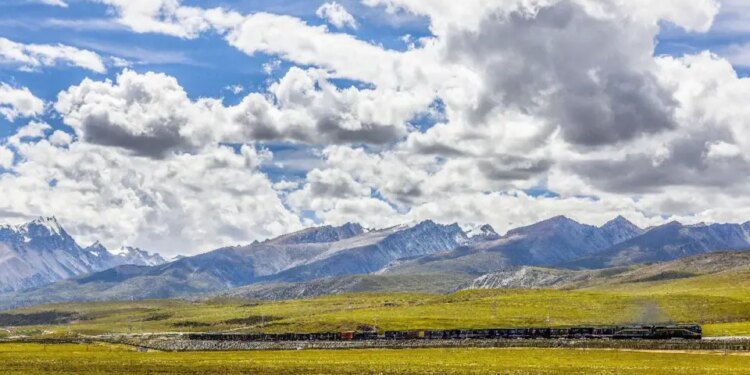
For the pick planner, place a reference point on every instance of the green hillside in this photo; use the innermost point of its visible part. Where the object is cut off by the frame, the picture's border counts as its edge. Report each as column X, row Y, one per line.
column 713, row 290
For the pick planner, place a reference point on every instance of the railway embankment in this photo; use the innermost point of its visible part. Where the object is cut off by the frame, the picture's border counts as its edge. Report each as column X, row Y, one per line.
column 164, row 343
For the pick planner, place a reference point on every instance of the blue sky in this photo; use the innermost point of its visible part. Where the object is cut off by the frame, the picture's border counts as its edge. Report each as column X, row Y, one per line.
column 477, row 124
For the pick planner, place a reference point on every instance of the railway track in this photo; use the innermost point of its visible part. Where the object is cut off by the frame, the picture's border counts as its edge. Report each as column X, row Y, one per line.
column 642, row 332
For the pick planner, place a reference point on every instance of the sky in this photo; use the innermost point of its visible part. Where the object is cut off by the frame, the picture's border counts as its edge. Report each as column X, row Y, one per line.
column 181, row 126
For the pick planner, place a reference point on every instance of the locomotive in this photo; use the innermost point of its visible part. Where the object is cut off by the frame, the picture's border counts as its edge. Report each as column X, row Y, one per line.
column 636, row 332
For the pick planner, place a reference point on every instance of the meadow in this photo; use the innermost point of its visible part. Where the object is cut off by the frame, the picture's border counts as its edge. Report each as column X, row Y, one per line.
column 721, row 302
column 30, row 359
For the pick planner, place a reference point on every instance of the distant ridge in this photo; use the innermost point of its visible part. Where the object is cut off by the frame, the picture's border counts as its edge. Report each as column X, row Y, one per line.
column 668, row 242
column 331, row 259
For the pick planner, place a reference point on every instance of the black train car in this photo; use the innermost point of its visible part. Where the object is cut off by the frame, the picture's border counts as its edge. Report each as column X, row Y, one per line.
column 325, row 336
column 434, row 335
column 405, row 335
column 649, row 332
column 365, row 336
column 689, row 332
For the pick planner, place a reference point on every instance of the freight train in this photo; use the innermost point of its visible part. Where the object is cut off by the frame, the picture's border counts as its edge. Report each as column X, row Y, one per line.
column 641, row 332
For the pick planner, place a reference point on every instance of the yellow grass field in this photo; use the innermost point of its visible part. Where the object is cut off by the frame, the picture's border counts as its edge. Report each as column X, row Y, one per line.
column 30, row 359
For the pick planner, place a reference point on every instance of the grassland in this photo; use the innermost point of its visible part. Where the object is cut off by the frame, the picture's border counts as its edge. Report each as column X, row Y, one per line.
column 30, row 359
column 720, row 301
column 475, row 309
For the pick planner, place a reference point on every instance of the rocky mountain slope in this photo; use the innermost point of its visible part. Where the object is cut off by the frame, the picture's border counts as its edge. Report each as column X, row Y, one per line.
column 326, row 260
column 439, row 283
column 41, row 252
column 685, row 268
column 302, row 256
column 546, row 243
column 668, row 242
column 124, row 256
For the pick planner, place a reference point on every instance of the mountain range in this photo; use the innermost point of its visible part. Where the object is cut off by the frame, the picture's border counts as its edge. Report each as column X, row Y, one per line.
column 426, row 256
column 41, row 252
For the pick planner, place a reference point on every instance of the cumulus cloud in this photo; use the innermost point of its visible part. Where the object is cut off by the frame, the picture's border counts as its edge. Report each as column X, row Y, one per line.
column 310, row 109
column 18, row 102
column 33, row 130
column 586, row 75
column 336, row 15
column 6, row 157
column 181, row 205
column 36, row 56
column 721, row 150
column 60, row 138
column 151, row 114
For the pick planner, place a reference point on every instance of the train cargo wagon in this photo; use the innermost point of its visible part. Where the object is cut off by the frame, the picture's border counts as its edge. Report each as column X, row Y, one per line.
column 436, row 335
column 416, row 335
column 347, row 336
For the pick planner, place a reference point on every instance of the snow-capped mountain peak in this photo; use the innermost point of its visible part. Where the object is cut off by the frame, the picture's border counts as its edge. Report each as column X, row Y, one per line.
column 98, row 250
column 481, row 233
column 48, row 224
column 41, row 252
column 138, row 257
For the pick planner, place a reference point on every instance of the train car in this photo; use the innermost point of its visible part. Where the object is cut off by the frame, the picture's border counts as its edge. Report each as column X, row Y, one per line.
column 404, row 335
column 689, row 332
column 434, row 335
column 365, row 336
column 326, row 336
column 634, row 332
column 581, row 333
column 475, row 334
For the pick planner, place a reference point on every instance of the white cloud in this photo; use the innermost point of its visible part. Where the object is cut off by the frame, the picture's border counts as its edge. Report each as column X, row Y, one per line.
column 180, row 205
column 33, row 130
column 292, row 39
column 169, row 17
column 235, row 89
column 723, row 150
column 336, row 15
column 60, row 138
column 148, row 114
column 19, row 102
column 737, row 54
column 734, row 18
column 271, row 66
column 120, row 62
column 6, row 157
column 57, row 3
column 286, row 185
column 35, row 56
